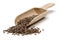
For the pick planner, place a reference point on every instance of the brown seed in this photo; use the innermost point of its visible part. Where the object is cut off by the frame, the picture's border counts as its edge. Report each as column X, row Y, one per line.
column 21, row 27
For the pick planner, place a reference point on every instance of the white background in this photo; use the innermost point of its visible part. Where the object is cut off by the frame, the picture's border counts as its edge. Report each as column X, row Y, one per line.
column 9, row 9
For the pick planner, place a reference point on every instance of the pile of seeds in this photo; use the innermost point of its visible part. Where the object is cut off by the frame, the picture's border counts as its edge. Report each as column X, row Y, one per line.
column 22, row 28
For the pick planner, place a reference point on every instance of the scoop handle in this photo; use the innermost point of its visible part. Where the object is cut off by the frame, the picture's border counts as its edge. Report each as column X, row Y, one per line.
column 48, row 5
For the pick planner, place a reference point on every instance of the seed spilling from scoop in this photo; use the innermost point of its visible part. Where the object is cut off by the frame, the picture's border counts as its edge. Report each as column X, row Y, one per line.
column 23, row 21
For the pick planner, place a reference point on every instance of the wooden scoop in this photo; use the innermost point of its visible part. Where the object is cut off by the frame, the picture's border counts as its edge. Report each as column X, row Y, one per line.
column 40, row 12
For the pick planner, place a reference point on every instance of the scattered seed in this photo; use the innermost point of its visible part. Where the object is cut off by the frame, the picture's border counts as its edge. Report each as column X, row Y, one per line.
column 21, row 27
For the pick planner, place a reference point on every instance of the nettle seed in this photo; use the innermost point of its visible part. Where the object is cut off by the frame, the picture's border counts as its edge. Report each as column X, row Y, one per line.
column 21, row 27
